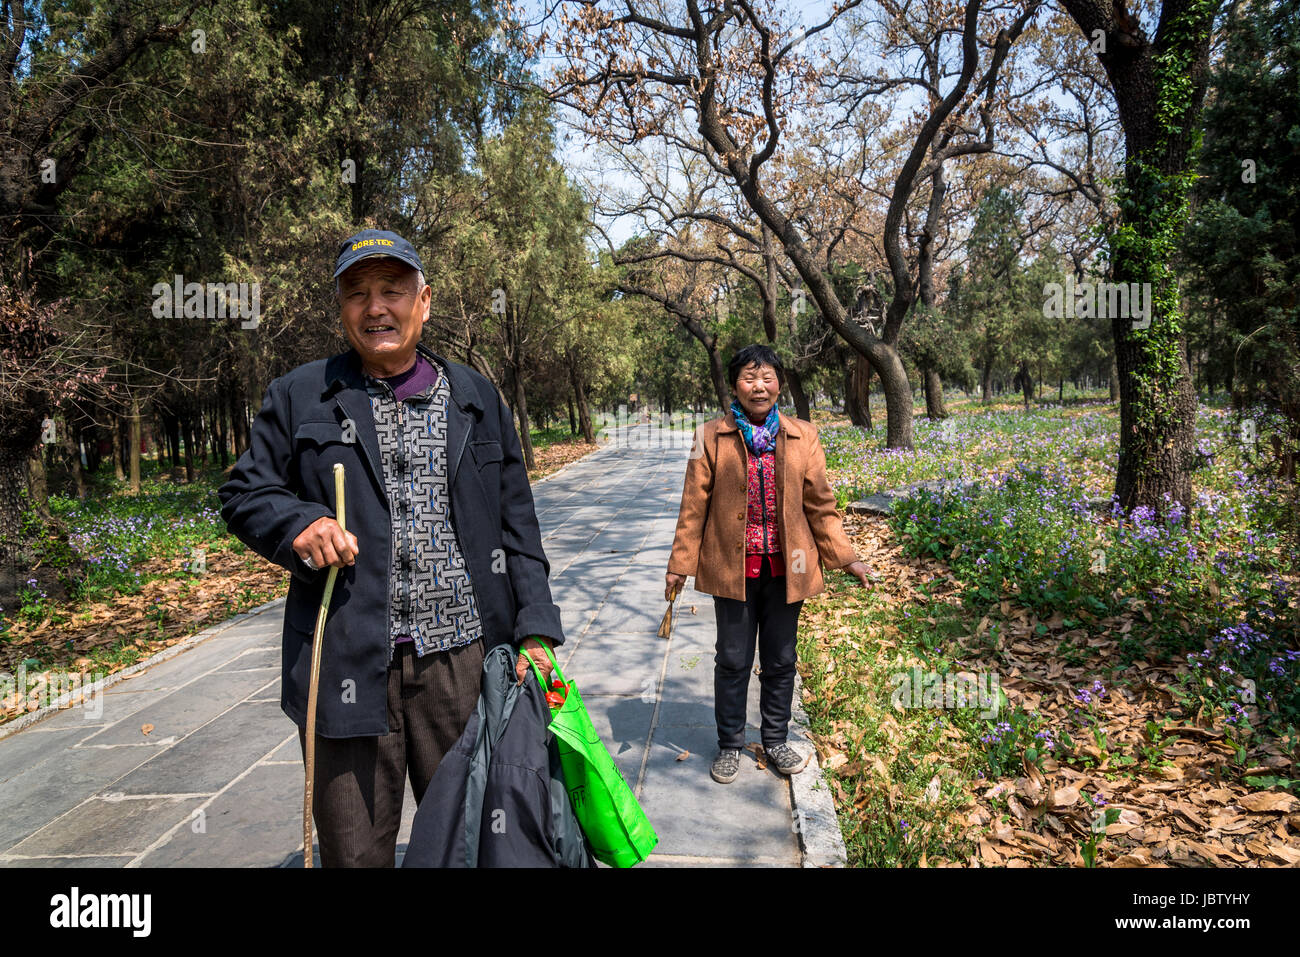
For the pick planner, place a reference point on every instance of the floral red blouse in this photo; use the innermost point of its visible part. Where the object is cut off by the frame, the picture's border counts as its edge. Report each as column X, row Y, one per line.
column 762, row 531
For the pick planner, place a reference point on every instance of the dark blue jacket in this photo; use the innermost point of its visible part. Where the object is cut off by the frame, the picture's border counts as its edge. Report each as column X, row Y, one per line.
column 285, row 481
column 498, row 798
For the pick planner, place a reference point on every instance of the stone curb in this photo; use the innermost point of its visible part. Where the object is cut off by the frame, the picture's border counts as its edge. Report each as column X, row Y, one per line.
column 811, row 804
column 18, row 724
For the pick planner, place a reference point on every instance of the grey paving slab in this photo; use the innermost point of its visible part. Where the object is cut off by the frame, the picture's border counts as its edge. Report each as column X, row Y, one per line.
column 606, row 567
column 179, row 712
column 686, row 695
column 607, row 668
column 291, row 750
column 110, row 705
column 574, row 620
column 631, row 608
column 694, row 815
column 99, row 826
column 572, row 542
column 623, row 537
column 656, row 558
column 120, row 860
column 214, row 754
column 34, row 798
column 254, row 658
column 235, row 828
column 27, row 752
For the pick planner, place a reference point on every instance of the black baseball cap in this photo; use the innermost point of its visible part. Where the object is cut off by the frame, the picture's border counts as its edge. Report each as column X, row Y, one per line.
column 375, row 242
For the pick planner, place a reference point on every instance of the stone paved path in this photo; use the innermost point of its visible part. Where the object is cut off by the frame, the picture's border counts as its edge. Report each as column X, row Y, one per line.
column 218, row 781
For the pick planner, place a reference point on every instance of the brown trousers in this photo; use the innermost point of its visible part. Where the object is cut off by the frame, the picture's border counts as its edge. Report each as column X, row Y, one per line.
column 360, row 782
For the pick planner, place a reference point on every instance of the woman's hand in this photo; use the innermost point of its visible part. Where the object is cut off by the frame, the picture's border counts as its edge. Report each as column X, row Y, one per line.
column 859, row 571
column 673, row 585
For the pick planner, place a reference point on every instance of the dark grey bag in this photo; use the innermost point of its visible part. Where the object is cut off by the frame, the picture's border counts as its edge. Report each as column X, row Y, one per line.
column 498, row 798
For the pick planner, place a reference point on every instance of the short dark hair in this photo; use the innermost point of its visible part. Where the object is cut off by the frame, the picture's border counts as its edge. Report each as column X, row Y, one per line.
column 763, row 355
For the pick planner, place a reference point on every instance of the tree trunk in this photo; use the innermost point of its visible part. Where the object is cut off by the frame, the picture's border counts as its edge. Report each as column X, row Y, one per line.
column 521, row 410
column 223, row 437
column 74, row 461
column 89, row 441
column 579, row 386
column 1026, row 383
column 37, row 485
column 797, row 395
column 573, row 419
column 188, row 430
column 854, row 387
column 986, row 382
column 934, row 404
column 211, row 418
column 119, row 450
column 172, row 425
column 238, row 427
column 135, row 439
column 898, row 398
column 1114, row 380
column 1159, row 85
column 719, row 376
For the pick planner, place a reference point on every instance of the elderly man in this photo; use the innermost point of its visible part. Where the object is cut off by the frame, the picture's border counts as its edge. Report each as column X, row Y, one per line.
column 442, row 558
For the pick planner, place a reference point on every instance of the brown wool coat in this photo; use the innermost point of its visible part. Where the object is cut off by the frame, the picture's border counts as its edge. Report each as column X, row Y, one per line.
column 710, row 539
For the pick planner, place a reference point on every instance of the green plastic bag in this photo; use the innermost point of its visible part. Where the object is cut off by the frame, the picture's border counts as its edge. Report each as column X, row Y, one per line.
column 617, row 829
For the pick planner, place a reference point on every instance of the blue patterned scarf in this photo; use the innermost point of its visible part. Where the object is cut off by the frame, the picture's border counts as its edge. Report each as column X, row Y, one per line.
column 759, row 438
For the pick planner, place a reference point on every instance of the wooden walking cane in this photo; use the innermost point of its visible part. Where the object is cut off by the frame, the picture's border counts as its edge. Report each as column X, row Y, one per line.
column 316, row 649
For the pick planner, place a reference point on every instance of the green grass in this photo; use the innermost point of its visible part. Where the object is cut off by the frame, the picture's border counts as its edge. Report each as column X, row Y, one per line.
column 896, row 813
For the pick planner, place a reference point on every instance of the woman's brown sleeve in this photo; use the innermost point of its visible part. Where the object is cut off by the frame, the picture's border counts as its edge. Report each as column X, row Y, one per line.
column 697, row 488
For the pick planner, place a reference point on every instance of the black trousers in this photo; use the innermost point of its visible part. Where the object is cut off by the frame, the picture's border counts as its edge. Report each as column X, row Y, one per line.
column 764, row 613
column 361, row 782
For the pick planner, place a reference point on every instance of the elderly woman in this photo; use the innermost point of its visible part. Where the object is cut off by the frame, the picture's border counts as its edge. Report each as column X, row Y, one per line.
column 756, row 523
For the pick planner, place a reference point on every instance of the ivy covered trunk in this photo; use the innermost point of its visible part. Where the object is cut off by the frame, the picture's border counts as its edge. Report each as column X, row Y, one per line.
column 1159, row 85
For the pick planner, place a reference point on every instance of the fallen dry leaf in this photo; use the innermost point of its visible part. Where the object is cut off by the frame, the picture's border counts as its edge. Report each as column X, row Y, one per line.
column 683, row 756
column 1289, row 854
column 146, row 728
column 1278, row 801
column 1065, row 797
column 932, row 790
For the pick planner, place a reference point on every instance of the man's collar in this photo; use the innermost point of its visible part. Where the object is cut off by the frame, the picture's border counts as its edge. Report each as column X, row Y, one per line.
column 346, row 368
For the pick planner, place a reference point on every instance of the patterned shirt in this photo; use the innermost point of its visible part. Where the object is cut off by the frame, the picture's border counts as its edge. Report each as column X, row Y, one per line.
column 762, row 531
column 430, row 596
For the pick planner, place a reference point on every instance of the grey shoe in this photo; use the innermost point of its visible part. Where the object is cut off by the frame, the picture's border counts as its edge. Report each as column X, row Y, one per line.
column 726, row 765
column 785, row 759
